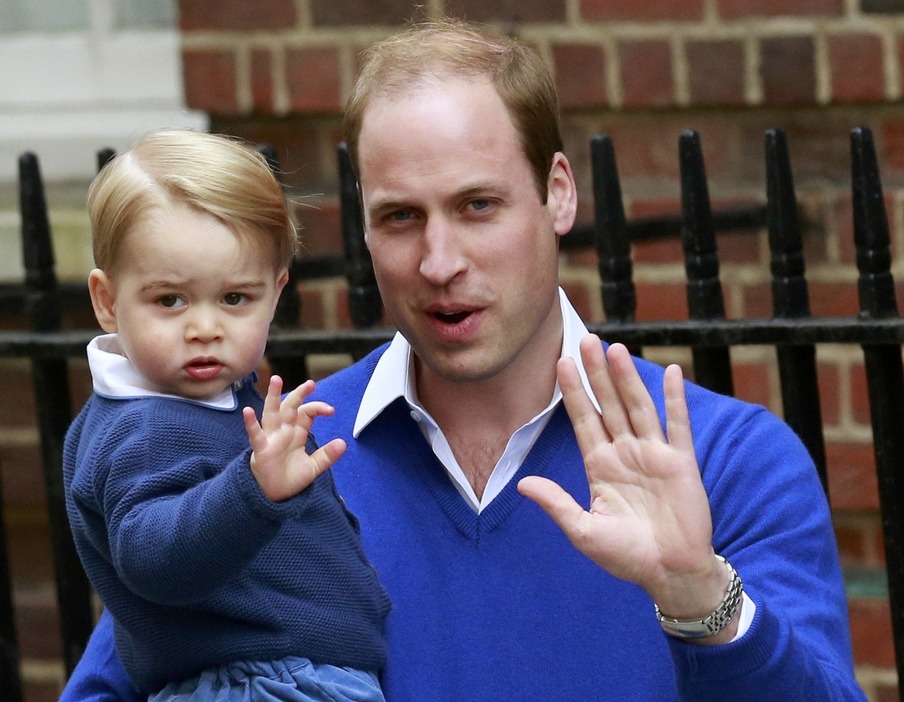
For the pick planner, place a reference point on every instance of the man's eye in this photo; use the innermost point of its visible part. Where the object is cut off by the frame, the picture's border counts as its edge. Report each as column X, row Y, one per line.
column 233, row 299
column 481, row 204
column 400, row 215
column 170, row 301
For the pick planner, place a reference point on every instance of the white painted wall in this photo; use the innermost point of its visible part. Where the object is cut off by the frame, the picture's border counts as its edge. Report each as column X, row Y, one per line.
column 77, row 76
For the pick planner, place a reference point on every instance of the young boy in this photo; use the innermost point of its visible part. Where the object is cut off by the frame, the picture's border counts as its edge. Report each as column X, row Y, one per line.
column 232, row 571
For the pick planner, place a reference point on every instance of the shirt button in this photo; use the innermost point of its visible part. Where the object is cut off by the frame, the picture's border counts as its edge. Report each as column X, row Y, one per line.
column 416, row 416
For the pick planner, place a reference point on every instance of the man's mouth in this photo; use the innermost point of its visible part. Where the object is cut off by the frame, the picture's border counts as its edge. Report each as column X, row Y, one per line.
column 451, row 317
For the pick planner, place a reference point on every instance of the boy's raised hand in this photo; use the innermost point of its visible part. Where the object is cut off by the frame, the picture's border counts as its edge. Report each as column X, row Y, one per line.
column 279, row 461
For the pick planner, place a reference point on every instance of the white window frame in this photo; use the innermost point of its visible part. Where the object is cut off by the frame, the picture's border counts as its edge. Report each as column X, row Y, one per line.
column 65, row 95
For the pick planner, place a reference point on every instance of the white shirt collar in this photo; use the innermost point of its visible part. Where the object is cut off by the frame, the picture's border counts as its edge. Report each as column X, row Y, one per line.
column 393, row 376
column 113, row 376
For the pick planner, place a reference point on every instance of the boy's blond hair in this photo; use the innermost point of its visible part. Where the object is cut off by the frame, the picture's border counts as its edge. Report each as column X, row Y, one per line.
column 215, row 174
column 450, row 48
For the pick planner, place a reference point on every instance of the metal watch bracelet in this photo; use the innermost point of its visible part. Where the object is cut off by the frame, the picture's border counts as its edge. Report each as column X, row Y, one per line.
column 715, row 622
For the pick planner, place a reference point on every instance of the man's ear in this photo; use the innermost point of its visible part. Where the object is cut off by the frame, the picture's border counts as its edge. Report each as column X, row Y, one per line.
column 562, row 195
column 103, row 299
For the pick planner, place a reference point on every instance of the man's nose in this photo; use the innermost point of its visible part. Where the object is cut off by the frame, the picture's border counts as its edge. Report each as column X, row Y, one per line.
column 443, row 256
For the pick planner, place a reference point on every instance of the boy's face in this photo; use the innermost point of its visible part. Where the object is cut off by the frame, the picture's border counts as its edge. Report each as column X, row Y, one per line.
column 190, row 303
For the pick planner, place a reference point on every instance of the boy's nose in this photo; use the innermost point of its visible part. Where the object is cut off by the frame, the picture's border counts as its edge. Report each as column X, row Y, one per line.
column 203, row 326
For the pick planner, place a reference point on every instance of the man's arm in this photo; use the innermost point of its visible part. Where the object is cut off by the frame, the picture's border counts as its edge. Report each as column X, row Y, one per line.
column 99, row 675
column 650, row 522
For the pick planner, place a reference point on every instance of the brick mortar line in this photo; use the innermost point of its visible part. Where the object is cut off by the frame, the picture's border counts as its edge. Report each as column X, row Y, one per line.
column 359, row 36
column 18, row 436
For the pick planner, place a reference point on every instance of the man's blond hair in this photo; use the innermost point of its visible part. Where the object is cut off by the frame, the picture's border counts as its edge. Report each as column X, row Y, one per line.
column 453, row 48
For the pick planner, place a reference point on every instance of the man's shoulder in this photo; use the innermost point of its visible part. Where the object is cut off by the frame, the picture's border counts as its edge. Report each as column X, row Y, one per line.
column 351, row 380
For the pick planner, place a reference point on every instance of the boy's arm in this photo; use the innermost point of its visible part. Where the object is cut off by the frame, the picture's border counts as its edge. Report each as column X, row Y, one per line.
column 99, row 675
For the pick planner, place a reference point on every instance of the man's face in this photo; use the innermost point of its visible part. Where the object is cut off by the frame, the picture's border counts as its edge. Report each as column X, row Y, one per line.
column 464, row 251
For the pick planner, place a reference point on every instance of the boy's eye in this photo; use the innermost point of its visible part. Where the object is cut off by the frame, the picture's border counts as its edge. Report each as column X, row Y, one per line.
column 170, row 301
column 233, row 299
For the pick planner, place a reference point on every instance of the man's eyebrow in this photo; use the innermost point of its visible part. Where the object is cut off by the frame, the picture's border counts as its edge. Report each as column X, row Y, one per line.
column 474, row 189
column 387, row 205
column 482, row 189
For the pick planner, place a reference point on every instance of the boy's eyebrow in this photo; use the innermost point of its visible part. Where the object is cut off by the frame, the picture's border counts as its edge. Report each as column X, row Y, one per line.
column 170, row 283
column 162, row 283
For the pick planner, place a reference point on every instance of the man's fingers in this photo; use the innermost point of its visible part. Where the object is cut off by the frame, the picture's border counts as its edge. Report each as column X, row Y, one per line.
column 678, row 423
column 558, row 504
column 588, row 427
column 596, row 365
column 633, row 394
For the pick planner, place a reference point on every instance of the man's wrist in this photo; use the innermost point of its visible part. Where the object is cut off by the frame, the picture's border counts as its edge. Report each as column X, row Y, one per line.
column 715, row 622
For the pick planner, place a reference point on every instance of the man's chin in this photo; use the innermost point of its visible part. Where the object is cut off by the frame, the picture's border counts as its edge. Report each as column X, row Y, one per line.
column 457, row 368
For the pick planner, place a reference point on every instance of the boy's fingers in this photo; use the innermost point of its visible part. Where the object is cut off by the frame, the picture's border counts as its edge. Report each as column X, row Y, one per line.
column 255, row 433
column 315, row 409
column 272, row 402
column 327, row 455
column 293, row 400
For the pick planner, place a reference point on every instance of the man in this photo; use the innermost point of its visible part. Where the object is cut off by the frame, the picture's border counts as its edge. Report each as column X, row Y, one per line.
column 703, row 505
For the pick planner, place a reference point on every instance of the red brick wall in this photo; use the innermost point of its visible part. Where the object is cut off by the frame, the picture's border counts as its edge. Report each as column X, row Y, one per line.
column 277, row 71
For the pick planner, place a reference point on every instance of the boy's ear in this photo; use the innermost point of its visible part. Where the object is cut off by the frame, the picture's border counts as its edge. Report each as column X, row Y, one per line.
column 100, row 287
column 281, row 281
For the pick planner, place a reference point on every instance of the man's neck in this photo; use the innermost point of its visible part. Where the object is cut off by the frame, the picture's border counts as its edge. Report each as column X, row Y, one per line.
column 479, row 417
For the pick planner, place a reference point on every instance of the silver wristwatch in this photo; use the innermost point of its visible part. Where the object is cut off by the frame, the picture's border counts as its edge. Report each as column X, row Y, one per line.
column 715, row 622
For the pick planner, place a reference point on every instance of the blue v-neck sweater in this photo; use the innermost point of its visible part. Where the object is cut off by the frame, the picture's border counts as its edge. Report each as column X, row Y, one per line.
column 499, row 607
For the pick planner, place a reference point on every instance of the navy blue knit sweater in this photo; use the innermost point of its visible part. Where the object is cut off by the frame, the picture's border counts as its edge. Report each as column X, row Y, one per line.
column 195, row 564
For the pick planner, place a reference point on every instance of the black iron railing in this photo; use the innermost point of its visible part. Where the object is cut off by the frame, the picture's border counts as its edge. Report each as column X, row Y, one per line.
column 794, row 334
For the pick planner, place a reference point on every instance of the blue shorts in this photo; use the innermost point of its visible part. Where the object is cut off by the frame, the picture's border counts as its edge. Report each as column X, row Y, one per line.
column 285, row 680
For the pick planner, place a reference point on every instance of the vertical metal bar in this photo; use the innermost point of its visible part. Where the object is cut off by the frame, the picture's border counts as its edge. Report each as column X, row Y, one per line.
column 884, row 373
column 791, row 299
column 104, row 156
column 712, row 365
column 364, row 301
column 10, row 680
column 613, row 246
column 51, row 385
column 293, row 369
